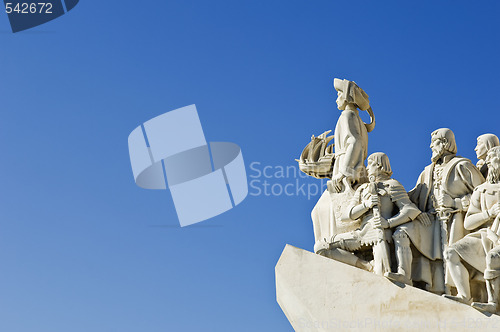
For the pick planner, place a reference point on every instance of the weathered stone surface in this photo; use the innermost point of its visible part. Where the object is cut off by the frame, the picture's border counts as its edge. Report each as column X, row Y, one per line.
column 320, row 294
column 323, row 225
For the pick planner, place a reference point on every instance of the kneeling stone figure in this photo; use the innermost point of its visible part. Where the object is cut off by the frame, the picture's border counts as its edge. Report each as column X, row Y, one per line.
column 381, row 204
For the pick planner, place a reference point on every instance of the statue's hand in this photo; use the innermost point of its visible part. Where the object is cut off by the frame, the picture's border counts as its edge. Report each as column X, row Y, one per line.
column 384, row 223
column 337, row 181
column 445, row 200
column 424, row 219
column 494, row 210
column 371, row 201
column 321, row 245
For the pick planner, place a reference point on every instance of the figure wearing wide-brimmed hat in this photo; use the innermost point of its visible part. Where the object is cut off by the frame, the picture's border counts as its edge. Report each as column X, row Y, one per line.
column 351, row 135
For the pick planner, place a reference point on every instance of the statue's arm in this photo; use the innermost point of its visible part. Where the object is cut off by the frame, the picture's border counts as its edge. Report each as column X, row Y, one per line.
column 356, row 207
column 475, row 217
column 407, row 210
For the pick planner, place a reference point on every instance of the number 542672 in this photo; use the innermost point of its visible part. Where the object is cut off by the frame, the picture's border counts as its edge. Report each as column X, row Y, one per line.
column 29, row 8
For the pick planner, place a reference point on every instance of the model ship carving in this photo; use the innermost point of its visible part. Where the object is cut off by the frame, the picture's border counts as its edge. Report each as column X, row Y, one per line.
column 317, row 157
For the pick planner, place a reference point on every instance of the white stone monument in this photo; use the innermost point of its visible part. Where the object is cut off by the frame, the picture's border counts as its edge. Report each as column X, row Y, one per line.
column 387, row 259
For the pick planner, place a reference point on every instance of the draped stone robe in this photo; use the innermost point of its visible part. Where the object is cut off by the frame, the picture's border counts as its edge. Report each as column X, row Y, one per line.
column 459, row 177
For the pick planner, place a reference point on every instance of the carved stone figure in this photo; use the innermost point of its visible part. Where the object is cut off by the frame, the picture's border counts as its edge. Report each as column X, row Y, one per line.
column 381, row 204
column 351, row 135
column 348, row 169
column 480, row 249
column 484, row 143
column 442, row 191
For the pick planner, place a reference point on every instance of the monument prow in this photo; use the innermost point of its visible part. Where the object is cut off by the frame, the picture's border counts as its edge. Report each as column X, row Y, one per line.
column 320, row 294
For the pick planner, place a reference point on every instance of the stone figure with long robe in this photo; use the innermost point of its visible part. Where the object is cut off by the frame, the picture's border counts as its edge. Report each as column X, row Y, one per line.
column 443, row 191
column 351, row 135
column 351, row 148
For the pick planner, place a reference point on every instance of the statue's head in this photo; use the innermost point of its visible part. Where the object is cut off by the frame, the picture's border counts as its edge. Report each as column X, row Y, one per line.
column 484, row 144
column 442, row 143
column 493, row 162
column 349, row 92
column 379, row 166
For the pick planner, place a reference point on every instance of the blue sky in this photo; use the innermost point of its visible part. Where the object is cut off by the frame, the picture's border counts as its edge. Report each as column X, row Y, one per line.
column 82, row 248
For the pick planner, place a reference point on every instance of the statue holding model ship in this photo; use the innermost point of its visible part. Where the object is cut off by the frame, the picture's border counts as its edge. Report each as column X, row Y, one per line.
column 346, row 166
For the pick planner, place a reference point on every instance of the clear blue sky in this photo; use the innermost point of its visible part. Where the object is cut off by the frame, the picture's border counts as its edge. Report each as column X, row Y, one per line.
column 82, row 248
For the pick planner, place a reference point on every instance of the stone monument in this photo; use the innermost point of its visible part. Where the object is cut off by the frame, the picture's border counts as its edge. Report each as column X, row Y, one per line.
column 430, row 256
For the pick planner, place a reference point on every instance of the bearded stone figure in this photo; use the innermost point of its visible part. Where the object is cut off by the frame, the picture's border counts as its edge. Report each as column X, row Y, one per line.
column 443, row 191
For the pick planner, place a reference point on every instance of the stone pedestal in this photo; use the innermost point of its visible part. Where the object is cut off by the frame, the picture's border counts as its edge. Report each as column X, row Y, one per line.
column 320, row 294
